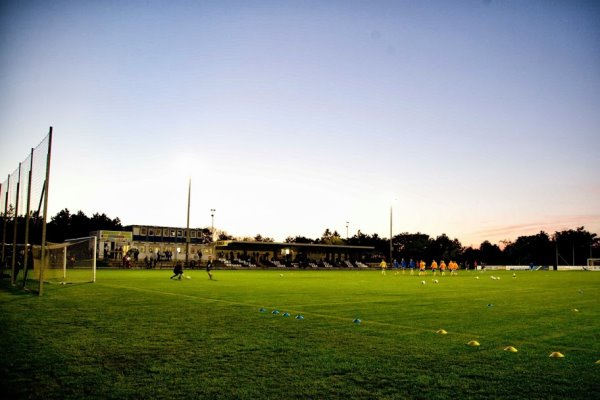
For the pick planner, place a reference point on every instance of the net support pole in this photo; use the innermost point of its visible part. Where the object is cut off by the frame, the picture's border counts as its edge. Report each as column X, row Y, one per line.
column 2, row 251
column 46, row 191
column 27, row 220
column 94, row 253
column 13, row 275
column 2, row 261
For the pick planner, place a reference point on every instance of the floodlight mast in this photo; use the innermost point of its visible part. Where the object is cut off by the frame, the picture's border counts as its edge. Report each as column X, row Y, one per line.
column 187, row 234
column 212, row 226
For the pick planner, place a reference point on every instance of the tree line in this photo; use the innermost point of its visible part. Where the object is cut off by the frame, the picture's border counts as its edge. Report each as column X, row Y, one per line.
column 568, row 247
column 64, row 225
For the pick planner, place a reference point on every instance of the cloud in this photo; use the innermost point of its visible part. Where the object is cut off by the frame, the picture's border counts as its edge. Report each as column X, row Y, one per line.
column 590, row 221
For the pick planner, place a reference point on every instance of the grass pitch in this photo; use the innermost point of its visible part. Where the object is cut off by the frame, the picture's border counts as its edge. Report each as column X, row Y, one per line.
column 137, row 334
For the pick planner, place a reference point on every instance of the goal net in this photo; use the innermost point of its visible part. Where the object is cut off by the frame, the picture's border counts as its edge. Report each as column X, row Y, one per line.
column 73, row 261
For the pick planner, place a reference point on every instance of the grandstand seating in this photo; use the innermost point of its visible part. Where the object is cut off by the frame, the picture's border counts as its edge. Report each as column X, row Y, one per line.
column 240, row 263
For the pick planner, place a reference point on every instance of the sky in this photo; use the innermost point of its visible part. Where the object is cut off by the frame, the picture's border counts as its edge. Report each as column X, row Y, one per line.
column 477, row 119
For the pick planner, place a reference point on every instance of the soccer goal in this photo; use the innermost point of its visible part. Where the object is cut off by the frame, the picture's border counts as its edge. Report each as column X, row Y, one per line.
column 593, row 264
column 73, row 261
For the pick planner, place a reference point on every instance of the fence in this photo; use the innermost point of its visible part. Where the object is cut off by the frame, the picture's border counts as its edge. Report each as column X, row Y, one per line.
column 23, row 211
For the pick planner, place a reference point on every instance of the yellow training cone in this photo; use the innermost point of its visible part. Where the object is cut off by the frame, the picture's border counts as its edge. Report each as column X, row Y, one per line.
column 511, row 349
column 556, row 354
column 441, row 332
column 473, row 343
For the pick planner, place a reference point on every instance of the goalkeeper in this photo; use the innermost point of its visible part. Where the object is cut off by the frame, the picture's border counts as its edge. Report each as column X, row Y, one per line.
column 177, row 271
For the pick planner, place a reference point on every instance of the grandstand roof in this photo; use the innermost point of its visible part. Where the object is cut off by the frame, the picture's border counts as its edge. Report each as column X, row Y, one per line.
column 272, row 246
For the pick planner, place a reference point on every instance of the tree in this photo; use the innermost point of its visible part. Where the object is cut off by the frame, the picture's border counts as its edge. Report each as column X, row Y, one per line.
column 336, row 239
column 80, row 225
column 575, row 246
column 331, row 238
column 299, row 239
column 360, row 239
column 325, row 237
column 65, row 225
column 536, row 249
column 382, row 246
column 260, row 238
column 225, row 236
column 471, row 255
column 205, row 235
column 102, row 222
column 444, row 248
column 59, row 226
column 411, row 245
column 490, row 253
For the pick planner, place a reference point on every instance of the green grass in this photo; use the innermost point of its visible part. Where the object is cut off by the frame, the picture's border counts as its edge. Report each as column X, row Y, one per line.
column 139, row 335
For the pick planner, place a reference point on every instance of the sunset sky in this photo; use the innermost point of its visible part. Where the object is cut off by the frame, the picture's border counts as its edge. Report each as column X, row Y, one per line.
column 478, row 119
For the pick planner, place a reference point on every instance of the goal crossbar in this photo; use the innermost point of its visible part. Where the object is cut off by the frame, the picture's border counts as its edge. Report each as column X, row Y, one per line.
column 75, row 255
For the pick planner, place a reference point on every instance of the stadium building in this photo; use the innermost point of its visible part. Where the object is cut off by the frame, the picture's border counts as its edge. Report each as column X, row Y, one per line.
column 153, row 242
column 150, row 244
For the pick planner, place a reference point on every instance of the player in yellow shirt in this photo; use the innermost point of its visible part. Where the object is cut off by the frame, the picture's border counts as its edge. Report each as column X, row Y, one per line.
column 453, row 267
column 422, row 268
column 442, row 268
column 434, row 267
column 383, row 266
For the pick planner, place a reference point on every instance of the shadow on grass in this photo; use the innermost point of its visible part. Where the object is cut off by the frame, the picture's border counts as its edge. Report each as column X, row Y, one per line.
column 17, row 290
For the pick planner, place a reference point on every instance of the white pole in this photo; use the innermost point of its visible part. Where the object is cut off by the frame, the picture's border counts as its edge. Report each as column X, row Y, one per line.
column 94, row 258
column 391, row 246
column 65, row 262
column 187, row 231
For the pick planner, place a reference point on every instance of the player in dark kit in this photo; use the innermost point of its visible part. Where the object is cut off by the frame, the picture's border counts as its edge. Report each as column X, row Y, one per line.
column 178, row 271
column 209, row 266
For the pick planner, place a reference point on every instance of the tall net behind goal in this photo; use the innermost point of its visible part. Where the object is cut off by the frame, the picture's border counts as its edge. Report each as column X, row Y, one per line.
column 23, row 213
column 73, row 261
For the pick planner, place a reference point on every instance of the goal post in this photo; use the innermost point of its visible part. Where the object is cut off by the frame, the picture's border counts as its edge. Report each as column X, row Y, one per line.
column 87, row 257
column 73, row 261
